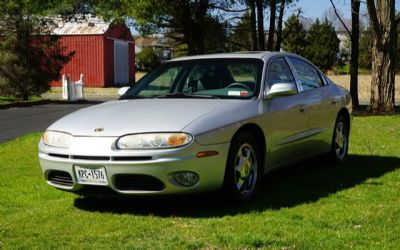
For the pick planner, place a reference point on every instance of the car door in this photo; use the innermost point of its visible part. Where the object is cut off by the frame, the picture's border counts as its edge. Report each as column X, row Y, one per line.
column 284, row 119
column 319, row 107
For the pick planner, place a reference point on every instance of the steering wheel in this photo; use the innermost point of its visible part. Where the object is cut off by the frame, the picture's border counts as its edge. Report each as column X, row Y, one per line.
column 239, row 85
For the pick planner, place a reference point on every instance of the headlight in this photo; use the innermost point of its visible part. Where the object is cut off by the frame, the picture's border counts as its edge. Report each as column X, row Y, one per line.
column 57, row 139
column 154, row 141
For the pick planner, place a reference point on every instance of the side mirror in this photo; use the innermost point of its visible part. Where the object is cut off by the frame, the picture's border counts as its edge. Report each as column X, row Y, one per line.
column 281, row 89
column 122, row 91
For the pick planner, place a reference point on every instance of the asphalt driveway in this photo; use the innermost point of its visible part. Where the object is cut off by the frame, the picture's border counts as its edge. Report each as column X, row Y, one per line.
column 16, row 122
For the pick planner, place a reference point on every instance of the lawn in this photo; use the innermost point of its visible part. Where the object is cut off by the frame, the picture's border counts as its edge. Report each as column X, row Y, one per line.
column 9, row 99
column 311, row 205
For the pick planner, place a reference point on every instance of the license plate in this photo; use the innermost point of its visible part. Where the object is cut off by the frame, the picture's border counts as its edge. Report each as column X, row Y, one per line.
column 91, row 175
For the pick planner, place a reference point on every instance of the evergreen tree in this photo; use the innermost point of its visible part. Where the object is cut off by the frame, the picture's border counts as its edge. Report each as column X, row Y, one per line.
column 365, row 52
column 322, row 44
column 241, row 37
column 30, row 56
column 294, row 36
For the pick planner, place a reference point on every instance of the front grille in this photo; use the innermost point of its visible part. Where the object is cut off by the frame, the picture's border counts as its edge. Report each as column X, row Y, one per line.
column 138, row 182
column 60, row 178
column 102, row 158
column 132, row 158
column 59, row 155
column 91, row 158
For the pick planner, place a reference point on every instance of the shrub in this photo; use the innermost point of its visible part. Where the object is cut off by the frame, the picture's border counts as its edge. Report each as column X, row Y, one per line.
column 147, row 59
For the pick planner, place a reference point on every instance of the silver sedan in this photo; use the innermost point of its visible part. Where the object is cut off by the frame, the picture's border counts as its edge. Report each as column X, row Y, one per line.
column 200, row 123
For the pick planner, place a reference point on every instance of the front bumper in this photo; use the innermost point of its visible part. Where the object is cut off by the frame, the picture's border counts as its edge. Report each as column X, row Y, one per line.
column 157, row 165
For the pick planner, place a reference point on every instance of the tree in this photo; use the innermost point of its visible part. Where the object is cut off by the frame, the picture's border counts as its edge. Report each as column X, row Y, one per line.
column 147, row 59
column 295, row 36
column 30, row 56
column 398, row 47
column 216, row 37
column 271, row 33
column 253, row 26
column 384, row 25
column 260, row 24
column 283, row 4
column 241, row 38
column 323, row 44
column 355, row 47
column 365, row 49
column 279, row 29
column 186, row 21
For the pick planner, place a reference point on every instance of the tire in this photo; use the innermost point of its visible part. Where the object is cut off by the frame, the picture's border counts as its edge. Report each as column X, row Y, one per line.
column 340, row 139
column 242, row 171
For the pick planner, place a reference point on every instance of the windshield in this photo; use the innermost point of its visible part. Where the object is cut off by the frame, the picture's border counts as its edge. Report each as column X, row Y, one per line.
column 213, row 78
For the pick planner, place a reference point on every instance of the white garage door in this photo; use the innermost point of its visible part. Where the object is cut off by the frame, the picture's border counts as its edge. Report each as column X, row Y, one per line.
column 121, row 62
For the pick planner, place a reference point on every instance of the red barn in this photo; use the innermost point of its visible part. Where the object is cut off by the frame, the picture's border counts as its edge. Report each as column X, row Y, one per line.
column 104, row 53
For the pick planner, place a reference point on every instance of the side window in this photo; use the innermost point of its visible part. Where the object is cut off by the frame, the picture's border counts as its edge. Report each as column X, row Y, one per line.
column 279, row 72
column 308, row 75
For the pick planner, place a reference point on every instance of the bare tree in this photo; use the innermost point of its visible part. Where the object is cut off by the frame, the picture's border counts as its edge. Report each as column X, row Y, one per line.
column 384, row 26
column 253, row 24
column 260, row 24
column 280, row 25
column 271, row 32
column 355, row 38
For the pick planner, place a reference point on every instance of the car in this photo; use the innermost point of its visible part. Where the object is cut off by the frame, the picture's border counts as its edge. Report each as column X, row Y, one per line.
column 199, row 124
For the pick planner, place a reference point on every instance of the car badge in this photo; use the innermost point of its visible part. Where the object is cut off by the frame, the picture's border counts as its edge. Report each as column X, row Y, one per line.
column 98, row 129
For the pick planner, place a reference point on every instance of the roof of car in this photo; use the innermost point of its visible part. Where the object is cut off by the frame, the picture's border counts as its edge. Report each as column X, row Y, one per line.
column 246, row 54
column 251, row 54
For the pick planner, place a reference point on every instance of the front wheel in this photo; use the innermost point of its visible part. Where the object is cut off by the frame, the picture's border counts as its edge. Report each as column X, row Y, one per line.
column 340, row 140
column 242, row 173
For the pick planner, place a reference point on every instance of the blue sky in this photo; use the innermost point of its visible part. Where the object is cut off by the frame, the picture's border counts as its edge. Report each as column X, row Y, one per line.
column 316, row 8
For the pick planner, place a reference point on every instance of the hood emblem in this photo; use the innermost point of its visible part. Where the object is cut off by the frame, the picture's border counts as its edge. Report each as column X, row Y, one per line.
column 98, row 129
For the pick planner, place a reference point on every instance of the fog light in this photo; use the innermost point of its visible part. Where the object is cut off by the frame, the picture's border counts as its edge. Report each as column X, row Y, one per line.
column 186, row 179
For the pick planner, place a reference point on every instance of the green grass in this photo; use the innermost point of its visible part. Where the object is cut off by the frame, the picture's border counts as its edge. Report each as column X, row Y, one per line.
column 10, row 99
column 311, row 205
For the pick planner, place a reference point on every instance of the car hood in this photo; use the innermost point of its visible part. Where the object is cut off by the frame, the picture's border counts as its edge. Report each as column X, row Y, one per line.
column 116, row 118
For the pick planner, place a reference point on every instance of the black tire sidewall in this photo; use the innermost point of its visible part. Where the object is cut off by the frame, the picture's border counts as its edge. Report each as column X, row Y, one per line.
column 334, row 156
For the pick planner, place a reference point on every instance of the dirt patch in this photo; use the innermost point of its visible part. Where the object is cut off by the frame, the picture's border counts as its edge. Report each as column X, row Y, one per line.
column 364, row 84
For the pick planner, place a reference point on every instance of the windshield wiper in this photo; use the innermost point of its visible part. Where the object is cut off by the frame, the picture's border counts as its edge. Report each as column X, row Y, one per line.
column 183, row 95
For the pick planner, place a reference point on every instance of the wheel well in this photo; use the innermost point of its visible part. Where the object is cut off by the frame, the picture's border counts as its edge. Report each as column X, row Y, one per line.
column 258, row 134
column 346, row 114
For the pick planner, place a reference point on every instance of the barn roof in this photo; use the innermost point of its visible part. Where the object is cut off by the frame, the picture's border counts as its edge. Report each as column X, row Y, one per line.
column 82, row 26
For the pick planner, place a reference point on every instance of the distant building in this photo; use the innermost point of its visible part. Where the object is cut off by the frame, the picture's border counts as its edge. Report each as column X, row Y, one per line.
column 163, row 47
column 344, row 46
column 104, row 53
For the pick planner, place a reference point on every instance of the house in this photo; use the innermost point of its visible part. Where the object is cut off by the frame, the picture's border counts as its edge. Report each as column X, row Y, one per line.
column 103, row 52
column 162, row 46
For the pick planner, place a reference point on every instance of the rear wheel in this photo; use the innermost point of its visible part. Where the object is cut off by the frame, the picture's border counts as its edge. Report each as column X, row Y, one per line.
column 242, row 173
column 340, row 140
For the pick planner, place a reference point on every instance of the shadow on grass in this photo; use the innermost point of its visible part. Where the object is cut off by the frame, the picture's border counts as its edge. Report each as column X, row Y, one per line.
column 288, row 187
column 362, row 110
